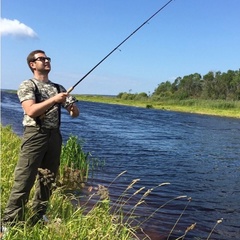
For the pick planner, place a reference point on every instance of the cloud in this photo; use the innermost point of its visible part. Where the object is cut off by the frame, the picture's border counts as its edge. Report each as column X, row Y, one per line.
column 15, row 28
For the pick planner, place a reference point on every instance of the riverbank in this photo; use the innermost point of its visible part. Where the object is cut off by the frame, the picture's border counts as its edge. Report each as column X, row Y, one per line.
column 67, row 220
column 220, row 108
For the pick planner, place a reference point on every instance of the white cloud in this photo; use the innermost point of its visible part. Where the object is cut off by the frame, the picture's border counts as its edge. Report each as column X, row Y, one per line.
column 15, row 28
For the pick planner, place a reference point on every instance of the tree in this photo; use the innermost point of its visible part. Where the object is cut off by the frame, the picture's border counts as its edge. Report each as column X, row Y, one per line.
column 163, row 89
column 190, row 86
column 235, row 86
column 208, row 85
column 141, row 96
column 213, row 85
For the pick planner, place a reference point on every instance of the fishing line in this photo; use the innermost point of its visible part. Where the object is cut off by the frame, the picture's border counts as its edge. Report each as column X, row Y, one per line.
column 70, row 89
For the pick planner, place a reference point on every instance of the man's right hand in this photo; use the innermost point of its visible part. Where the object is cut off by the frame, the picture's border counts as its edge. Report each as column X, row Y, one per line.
column 60, row 97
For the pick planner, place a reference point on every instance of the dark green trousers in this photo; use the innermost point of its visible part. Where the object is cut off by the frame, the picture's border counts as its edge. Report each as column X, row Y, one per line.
column 41, row 148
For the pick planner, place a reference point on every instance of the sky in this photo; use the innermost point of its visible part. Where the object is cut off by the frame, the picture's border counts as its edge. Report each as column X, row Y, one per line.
column 186, row 37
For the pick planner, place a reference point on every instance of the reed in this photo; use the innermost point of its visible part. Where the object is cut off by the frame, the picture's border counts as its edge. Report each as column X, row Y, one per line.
column 218, row 222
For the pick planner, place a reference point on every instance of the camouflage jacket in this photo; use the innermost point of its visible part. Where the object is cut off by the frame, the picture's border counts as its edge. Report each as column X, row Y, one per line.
column 27, row 91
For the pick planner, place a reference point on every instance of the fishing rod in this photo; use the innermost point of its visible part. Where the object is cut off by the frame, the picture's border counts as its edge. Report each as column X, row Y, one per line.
column 70, row 89
column 72, row 100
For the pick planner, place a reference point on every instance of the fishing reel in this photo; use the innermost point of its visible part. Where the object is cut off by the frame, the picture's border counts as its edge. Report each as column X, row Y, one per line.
column 69, row 101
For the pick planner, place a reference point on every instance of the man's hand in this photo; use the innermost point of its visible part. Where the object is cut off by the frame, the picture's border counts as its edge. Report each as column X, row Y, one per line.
column 69, row 101
column 73, row 110
column 60, row 97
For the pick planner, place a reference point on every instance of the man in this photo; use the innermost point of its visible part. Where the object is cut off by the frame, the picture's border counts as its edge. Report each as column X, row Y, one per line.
column 41, row 100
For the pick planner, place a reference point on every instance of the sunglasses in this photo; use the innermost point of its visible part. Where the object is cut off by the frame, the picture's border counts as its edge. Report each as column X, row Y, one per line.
column 42, row 59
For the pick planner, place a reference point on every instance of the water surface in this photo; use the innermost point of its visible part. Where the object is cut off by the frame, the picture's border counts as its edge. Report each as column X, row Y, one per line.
column 197, row 154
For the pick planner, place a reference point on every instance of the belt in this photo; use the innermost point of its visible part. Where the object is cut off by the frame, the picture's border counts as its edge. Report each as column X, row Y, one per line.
column 42, row 129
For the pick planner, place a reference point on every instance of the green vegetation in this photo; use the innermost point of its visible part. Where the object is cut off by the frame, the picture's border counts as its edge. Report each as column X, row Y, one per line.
column 67, row 220
column 74, row 166
column 212, row 86
column 200, row 106
column 10, row 145
column 215, row 93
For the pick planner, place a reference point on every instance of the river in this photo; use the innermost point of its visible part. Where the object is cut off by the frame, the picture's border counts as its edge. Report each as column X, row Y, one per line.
column 198, row 155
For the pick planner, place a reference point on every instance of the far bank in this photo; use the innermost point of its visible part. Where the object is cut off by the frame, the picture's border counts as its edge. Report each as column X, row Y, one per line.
column 221, row 108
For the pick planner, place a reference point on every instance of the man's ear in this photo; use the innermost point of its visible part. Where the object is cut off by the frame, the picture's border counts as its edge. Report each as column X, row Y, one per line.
column 32, row 65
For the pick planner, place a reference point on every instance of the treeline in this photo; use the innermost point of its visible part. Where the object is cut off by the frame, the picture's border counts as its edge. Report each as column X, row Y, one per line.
column 212, row 86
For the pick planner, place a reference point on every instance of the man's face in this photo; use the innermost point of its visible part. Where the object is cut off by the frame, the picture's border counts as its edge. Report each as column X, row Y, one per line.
column 41, row 63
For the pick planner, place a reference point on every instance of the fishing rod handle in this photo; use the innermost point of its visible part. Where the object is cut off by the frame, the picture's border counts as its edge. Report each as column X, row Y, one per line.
column 70, row 89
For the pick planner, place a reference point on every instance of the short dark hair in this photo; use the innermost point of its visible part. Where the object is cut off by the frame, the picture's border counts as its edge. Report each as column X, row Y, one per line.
column 30, row 57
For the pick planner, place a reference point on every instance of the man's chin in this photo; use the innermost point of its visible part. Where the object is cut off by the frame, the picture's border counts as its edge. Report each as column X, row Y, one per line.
column 46, row 71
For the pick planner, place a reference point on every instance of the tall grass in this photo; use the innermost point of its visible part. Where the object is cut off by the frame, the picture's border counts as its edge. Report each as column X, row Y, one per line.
column 67, row 219
column 75, row 164
column 208, row 104
column 10, row 145
column 71, row 219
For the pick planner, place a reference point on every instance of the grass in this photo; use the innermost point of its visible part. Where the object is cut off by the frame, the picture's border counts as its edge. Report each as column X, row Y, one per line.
column 75, row 164
column 68, row 220
column 209, row 107
column 10, row 144
column 72, row 219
